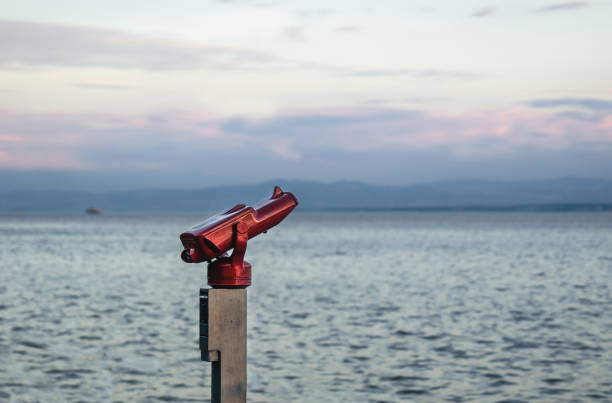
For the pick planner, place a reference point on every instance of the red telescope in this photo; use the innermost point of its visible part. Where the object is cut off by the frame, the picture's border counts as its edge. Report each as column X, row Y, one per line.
column 213, row 237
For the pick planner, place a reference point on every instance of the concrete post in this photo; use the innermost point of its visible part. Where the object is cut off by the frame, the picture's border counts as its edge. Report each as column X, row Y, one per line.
column 223, row 341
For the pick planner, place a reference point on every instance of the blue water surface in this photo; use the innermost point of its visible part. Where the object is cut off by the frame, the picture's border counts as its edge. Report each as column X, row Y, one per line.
column 351, row 307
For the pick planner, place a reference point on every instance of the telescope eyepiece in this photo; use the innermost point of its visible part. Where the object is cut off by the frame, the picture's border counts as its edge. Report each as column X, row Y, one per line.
column 186, row 256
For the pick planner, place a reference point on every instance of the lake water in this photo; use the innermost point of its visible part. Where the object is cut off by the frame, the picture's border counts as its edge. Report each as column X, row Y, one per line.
column 344, row 307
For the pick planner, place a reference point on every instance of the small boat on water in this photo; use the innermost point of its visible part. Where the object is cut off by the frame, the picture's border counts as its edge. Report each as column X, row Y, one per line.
column 93, row 210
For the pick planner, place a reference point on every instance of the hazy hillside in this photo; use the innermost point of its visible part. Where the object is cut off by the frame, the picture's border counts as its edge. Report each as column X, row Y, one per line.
column 339, row 195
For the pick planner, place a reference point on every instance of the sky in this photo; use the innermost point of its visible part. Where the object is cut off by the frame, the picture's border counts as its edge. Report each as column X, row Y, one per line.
column 151, row 93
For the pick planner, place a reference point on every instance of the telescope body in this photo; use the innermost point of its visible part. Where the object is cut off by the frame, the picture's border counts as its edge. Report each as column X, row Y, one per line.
column 216, row 235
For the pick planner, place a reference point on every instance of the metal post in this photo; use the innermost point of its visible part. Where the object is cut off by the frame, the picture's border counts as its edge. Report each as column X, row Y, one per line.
column 223, row 341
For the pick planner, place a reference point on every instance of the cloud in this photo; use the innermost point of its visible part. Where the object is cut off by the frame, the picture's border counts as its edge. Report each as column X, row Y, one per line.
column 418, row 73
column 469, row 135
column 302, row 141
column 411, row 100
column 313, row 12
column 348, row 28
column 484, row 12
column 103, row 142
column 40, row 44
column 108, row 87
column 254, row 3
column 576, row 115
column 37, row 44
column 425, row 99
column 570, row 5
column 593, row 104
column 579, row 109
column 294, row 33
column 283, row 149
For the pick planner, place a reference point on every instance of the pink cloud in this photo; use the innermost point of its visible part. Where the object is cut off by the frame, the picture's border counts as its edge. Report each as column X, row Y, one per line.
column 606, row 125
column 58, row 141
column 9, row 139
column 493, row 133
column 26, row 158
column 172, row 137
column 284, row 150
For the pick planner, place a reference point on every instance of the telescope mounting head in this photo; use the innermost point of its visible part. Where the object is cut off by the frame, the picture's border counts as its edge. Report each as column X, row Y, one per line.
column 232, row 271
column 212, row 238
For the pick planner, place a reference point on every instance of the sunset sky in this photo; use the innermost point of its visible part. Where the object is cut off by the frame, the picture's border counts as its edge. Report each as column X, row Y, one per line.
column 145, row 93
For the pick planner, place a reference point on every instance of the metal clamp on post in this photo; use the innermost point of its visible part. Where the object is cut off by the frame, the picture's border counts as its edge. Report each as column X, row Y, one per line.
column 206, row 355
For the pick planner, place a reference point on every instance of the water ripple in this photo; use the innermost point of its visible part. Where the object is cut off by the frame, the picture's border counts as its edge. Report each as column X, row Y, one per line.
column 379, row 307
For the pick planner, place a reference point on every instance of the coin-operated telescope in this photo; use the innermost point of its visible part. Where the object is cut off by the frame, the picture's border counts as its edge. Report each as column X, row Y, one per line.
column 223, row 307
column 213, row 237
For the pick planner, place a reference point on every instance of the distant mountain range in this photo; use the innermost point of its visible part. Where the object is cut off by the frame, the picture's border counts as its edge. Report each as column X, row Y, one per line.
column 559, row 194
